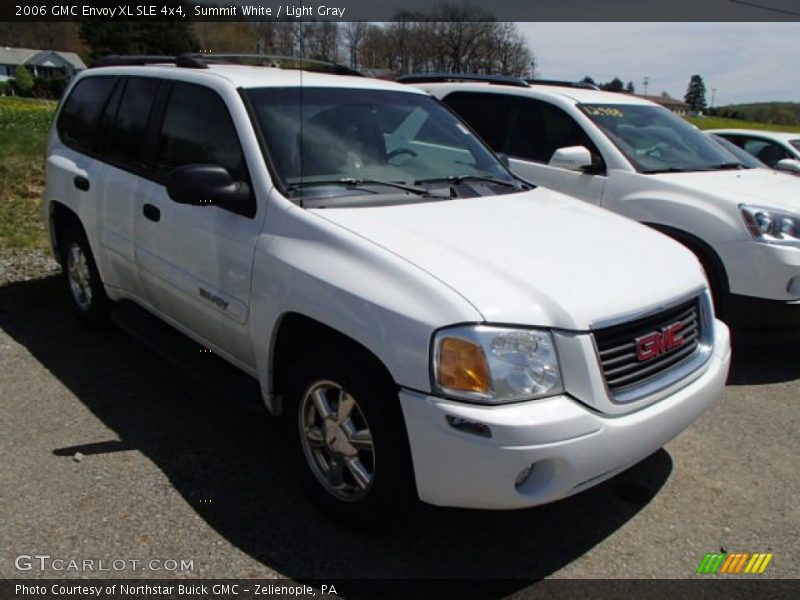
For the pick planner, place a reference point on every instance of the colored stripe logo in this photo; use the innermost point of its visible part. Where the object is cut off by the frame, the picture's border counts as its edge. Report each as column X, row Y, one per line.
column 734, row 563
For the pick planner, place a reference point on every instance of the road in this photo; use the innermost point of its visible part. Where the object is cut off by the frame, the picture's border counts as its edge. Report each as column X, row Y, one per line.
column 169, row 470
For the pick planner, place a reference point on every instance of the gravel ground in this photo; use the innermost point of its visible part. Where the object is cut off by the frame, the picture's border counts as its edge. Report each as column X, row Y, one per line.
column 24, row 265
column 109, row 452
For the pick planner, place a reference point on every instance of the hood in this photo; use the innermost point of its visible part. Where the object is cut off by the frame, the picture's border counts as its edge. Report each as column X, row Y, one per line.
column 759, row 187
column 536, row 258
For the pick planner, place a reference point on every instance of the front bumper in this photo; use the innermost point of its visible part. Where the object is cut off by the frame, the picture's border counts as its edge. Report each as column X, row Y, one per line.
column 761, row 270
column 570, row 446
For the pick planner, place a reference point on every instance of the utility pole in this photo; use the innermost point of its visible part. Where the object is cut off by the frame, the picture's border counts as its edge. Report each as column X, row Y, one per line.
column 713, row 96
column 646, row 80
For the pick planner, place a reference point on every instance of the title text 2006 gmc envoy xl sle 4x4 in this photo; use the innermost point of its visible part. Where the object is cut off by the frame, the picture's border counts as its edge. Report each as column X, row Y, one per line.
column 426, row 324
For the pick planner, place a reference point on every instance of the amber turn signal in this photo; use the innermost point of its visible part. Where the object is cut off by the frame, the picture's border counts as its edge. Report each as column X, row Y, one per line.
column 462, row 366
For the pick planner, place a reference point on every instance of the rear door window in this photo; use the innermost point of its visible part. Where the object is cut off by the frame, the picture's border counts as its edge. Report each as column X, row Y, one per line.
column 77, row 123
column 128, row 134
column 485, row 113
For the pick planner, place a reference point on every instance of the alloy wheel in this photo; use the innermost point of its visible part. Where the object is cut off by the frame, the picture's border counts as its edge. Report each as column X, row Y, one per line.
column 337, row 441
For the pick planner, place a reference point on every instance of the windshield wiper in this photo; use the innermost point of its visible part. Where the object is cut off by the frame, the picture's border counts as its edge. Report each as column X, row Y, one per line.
column 668, row 170
column 729, row 165
column 456, row 179
column 354, row 182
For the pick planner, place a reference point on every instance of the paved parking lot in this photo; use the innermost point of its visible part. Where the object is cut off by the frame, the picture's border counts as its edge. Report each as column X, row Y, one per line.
column 171, row 471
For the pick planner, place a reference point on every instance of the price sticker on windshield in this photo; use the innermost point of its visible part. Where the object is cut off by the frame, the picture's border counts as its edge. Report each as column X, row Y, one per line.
column 604, row 111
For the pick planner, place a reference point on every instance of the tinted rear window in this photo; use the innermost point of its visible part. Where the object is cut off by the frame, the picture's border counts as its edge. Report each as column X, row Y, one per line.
column 77, row 123
column 130, row 126
column 485, row 113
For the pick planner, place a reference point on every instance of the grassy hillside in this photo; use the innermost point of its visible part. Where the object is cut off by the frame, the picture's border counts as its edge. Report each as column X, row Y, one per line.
column 779, row 113
column 720, row 123
column 23, row 133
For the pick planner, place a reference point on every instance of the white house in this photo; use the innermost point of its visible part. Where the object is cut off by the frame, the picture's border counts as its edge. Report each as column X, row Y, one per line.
column 42, row 63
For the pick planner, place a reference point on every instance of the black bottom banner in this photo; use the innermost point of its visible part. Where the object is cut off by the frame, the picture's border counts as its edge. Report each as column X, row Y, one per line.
column 251, row 589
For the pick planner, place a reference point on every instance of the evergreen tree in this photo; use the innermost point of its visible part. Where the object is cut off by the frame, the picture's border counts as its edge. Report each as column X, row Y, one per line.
column 629, row 89
column 167, row 38
column 615, row 85
column 696, row 94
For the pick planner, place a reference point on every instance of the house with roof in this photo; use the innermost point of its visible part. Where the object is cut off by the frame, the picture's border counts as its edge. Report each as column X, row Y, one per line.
column 41, row 63
column 677, row 106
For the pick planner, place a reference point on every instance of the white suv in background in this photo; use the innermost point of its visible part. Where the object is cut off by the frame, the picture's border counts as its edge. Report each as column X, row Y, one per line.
column 638, row 159
column 777, row 150
column 426, row 323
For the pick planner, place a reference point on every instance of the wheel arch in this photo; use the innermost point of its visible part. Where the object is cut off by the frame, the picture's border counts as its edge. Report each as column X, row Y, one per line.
column 708, row 257
column 292, row 331
column 61, row 217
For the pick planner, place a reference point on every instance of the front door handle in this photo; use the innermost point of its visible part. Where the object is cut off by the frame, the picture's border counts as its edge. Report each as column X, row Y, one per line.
column 151, row 212
column 81, row 183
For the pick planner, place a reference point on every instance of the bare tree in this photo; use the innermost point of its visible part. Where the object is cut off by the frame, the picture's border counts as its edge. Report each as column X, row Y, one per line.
column 462, row 34
column 510, row 53
column 276, row 38
column 353, row 35
column 451, row 38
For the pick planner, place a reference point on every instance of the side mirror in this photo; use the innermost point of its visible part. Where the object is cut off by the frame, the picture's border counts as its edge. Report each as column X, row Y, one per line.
column 207, row 185
column 573, row 158
column 790, row 165
column 503, row 158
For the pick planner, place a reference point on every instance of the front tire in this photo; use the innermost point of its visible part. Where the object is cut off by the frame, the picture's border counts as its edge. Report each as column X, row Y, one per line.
column 349, row 439
column 85, row 289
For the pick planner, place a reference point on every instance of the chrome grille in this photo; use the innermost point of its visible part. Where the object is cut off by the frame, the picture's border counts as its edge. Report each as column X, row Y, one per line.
column 616, row 346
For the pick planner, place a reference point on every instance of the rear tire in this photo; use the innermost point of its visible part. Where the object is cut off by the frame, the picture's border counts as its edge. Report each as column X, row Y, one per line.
column 349, row 440
column 84, row 288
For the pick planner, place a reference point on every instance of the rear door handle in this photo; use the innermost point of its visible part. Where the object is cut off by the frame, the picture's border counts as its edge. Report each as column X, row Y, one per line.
column 81, row 183
column 151, row 212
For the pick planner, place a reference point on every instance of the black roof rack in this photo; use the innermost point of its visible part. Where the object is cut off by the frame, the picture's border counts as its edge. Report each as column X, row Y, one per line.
column 573, row 84
column 189, row 61
column 443, row 77
column 278, row 61
column 202, row 60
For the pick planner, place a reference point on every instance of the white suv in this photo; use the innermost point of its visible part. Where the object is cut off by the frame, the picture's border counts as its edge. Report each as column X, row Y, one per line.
column 426, row 323
column 639, row 160
column 777, row 150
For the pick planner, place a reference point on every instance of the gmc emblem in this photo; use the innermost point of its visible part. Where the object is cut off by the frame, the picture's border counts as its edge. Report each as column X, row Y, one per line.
column 658, row 342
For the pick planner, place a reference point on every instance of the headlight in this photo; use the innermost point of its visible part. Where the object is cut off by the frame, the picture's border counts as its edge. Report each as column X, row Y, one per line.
column 770, row 225
column 495, row 364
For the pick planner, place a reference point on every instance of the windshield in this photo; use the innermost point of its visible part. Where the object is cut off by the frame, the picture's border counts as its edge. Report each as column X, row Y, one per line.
column 795, row 143
column 656, row 141
column 325, row 141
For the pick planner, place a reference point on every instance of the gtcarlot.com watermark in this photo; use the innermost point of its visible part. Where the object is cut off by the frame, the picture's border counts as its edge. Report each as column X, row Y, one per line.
column 45, row 562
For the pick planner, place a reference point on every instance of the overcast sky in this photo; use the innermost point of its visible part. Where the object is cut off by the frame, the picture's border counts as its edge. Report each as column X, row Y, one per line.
column 746, row 62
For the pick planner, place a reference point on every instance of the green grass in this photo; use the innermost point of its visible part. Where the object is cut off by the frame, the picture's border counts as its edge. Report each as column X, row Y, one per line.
column 720, row 123
column 24, row 124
